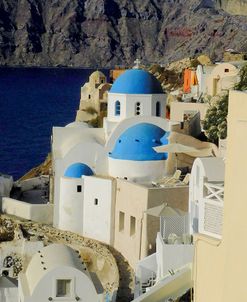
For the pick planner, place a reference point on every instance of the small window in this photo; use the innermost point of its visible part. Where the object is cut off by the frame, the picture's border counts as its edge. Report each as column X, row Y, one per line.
column 96, row 201
column 78, row 189
column 117, row 108
column 121, row 221
column 102, row 81
column 226, row 70
column 89, row 96
column 157, row 108
column 63, row 288
column 132, row 225
column 138, row 108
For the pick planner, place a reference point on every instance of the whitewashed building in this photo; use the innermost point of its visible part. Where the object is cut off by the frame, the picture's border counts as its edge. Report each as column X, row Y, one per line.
column 56, row 273
column 223, row 77
column 6, row 183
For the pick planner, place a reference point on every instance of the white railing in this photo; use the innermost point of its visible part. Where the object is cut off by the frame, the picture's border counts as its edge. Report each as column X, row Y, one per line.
column 211, row 210
column 214, row 191
column 145, row 276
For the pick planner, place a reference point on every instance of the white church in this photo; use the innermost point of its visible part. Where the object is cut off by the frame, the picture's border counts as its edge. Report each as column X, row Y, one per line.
column 90, row 164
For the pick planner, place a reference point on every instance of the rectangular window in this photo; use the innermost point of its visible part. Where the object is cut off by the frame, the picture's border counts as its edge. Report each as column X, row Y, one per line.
column 63, row 288
column 96, row 201
column 78, row 188
column 121, row 221
column 226, row 70
column 132, row 225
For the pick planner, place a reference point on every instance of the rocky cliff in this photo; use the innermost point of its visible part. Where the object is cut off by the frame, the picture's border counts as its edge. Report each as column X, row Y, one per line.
column 235, row 7
column 108, row 32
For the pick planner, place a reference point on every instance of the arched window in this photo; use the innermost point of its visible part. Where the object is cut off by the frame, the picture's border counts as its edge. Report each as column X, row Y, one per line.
column 157, row 108
column 138, row 108
column 117, row 108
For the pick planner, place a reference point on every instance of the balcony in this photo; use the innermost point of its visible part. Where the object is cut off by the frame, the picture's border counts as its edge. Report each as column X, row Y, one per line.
column 145, row 275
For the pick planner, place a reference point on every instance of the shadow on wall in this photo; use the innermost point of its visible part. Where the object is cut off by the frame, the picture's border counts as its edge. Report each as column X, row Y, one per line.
column 126, row 277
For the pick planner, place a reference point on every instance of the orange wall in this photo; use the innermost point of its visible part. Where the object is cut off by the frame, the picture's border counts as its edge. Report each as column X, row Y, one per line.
column 187, row 80
column 190, row 79
column 114, row 73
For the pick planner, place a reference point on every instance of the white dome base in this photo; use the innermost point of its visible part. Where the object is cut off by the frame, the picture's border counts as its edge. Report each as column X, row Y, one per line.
column 137, row 170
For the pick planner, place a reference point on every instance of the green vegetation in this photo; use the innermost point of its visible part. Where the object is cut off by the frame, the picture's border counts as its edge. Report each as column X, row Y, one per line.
column 242, row 84
column 215, row 123
column 91, row 110
column 97, row 122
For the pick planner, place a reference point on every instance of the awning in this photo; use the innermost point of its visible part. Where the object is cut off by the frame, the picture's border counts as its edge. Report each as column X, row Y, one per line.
column 180, row 148
column 164, row 210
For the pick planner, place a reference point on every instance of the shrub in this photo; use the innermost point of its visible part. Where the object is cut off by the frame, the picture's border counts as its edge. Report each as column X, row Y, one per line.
column 91, row 110
column 215, row 123
column 242, row 84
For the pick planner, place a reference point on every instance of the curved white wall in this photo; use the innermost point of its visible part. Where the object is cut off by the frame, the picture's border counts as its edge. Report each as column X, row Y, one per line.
column 82, row 286
column 130, row 122
column 203, row 170
column 71, row 205
column 223, row 77
column 137, row 170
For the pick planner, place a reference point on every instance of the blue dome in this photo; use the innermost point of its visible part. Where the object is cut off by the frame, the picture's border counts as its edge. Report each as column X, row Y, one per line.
column 164, row 139
column 137, row 143
column 77, row 170
column 136, row 81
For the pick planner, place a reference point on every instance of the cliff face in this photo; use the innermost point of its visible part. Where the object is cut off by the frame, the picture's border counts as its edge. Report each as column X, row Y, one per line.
column 108, row 32
column 235, row 7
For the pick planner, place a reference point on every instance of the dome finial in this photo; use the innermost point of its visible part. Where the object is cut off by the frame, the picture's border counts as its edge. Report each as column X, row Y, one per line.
column 137, row 64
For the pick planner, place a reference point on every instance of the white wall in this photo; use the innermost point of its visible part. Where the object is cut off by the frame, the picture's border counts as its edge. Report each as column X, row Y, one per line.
column 6, row 183
column 82, row 286
column 146, row 268
column 137, row 170
column 71, row 205
column 178, row 109
column 91, row 153
column 99, row 209
column 112, row 98
column 42, row 213
column 225, row 80
column 9, row 294
column 58, row 169
column 162, row 99
column 31, row 183
column 128, row 105
column 171, row 256
column 200, row 78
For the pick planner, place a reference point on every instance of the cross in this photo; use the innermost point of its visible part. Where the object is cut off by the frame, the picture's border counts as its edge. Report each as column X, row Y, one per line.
column 137, row 64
